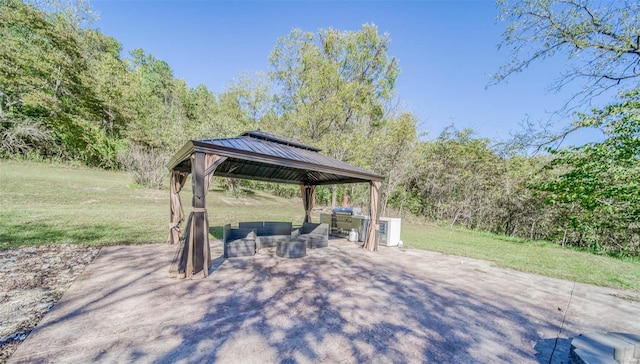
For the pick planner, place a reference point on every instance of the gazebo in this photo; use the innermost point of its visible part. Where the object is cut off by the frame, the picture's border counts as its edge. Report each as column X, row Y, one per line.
column 260, row 156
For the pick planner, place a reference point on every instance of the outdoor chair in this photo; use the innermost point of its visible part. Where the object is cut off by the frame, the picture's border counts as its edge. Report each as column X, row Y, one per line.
column 316, row 235
column 238, row 242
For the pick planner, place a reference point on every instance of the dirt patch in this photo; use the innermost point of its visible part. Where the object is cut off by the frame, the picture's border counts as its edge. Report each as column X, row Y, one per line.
column 32, row 279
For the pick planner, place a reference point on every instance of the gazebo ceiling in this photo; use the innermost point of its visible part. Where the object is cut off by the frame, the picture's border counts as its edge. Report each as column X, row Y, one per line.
column 261, row 156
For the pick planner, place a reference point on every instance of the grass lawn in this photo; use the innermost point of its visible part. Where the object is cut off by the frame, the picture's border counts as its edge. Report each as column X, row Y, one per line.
column 538, row 257
column 55, row 204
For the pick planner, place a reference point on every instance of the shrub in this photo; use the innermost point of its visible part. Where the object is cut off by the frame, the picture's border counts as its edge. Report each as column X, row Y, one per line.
column 146, row 165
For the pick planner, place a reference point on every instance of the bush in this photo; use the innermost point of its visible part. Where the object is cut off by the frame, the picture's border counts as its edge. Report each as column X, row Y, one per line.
column 146, row 165
column 22, row 138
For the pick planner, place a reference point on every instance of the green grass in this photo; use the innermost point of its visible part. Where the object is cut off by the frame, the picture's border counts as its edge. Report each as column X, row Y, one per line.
column 54, row 204
column 538, row 257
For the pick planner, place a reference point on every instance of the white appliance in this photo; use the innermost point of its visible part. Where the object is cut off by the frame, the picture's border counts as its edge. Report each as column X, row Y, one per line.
column 389, row 234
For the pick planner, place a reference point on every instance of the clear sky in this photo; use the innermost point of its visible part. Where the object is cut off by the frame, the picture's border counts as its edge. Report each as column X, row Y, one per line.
column 446, row 51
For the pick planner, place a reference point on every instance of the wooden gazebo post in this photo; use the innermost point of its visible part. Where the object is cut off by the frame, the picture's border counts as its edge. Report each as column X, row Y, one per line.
column 196, row 255
column 199, row 203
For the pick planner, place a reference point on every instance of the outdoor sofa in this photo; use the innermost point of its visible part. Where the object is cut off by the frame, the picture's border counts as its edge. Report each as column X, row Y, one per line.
column 268, row 232
column 251, row 236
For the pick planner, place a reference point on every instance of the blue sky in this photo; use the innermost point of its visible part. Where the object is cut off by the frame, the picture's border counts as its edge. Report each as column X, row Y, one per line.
column 446, row 52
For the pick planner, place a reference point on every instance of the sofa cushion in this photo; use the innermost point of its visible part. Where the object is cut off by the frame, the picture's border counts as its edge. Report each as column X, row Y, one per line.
column 277, row 228
column 311, row 228
column 268, row 232
column 316, row 235
column 257, row 225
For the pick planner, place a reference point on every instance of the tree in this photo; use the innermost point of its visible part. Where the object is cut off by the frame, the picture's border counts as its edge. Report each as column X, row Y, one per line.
column 253, row 98
column 77, row 12
column 154, row 124
column 331, row 81
column 598, row 184
column 203, row 105
column 108, row 76
column 453, row 178
column 389, row 152
column 45, row 104
column 601, row 41
column 331, row 88
column 593, row 188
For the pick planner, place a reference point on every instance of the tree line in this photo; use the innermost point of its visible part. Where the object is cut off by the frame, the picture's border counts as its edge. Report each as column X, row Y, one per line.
column 67, row 92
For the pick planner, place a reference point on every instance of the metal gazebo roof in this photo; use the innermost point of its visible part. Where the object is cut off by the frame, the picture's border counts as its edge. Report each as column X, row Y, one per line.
column 261, row 156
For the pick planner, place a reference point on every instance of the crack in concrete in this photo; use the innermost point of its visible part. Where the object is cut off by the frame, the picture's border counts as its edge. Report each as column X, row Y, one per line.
column 564, row 316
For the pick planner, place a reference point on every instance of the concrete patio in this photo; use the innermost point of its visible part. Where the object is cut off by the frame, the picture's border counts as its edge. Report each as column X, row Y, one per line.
column 337, row 304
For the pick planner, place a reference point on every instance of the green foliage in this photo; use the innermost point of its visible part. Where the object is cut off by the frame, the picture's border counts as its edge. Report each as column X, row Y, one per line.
column 153, row 101
column 591, row 190
column 49, row 101
column 38, row 70
column 280, row 190
column 454, row 175
column 388, row 151
column 463, row 181
column 332, row 83
column 109, row 77
column 323, row 196
column 333, row 89
column 597, row 184
column 65, row 92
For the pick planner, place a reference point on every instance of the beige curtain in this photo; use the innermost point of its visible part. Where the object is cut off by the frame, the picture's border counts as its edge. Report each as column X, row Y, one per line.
column 371, row 243
column 308, row 197
column 176, row 218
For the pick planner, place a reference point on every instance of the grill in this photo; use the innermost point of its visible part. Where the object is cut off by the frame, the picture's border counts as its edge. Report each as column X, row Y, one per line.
column 343, row 219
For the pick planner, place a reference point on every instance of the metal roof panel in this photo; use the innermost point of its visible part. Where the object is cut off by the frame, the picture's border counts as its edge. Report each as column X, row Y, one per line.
column 263, row 156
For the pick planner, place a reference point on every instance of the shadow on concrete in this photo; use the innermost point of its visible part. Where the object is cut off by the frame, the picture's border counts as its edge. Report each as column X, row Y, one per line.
column 337, row 304
column 553, row 350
